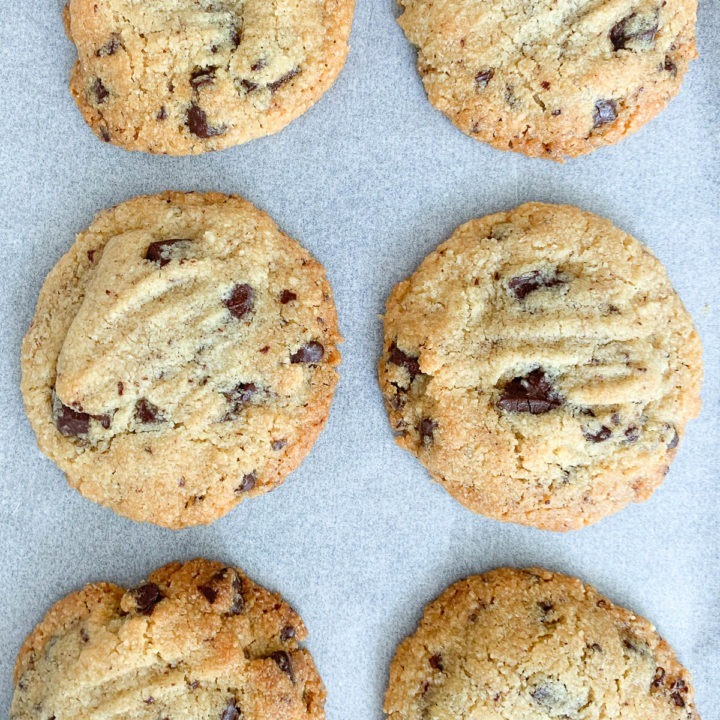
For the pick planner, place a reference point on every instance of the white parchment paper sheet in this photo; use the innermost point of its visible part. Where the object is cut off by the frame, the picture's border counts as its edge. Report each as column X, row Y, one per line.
column 370, row 180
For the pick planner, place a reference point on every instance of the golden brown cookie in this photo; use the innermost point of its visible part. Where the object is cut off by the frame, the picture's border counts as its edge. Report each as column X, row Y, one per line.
column 551, row 78
column 541, row 366
column 183, row 77
column 182, row 357
column 535, row 645
column 197, row 640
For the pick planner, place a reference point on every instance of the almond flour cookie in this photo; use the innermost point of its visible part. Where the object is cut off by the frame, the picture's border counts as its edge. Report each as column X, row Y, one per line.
column 198, row 640
column 541, row 367
column 551, row 78
column 182, row 357
column 535, row 645
column 186, row 76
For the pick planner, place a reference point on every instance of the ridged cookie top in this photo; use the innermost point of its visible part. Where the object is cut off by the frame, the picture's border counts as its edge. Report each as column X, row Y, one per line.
column 182, row 356
column 198, row 640
column 535, row 645
column 186, row 76
column 551, row 78
column 541, row 366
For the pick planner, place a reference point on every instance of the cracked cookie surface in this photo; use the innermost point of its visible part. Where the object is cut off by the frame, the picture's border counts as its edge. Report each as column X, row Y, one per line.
column 182, row 357
column 536, row 645
column 541, row 367
column 197, row 640
column 183, row 77
column 551, row 78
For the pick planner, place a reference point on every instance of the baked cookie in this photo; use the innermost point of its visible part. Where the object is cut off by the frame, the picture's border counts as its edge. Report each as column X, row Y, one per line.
column 198, row 640
column 541, row 367
column 182, row 77
column 182, row 357
column 535, row 645
column 551, row 78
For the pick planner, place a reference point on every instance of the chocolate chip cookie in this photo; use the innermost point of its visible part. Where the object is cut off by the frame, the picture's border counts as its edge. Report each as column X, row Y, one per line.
column 541, row 366
column 183, row 77
column 199, row 640
column 551, row 78
column 182, row 357
column 534, row 644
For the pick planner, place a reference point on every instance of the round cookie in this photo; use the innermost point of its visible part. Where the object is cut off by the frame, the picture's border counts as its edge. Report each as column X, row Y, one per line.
column 535, row 645
column 551, row 78
column 182, row 77
column 182, row 357
column 541, row 366
column 198, row 640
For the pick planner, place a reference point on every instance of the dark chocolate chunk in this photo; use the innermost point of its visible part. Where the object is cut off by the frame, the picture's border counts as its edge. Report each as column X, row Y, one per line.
column 273, row 86
column 241, row 394
column 287, row 296
column 436, row 662
column 632, row 433
column 200, row 77
column 401, row 359
column 309, row 353
column 160, row 252
column 146, row 597
column 99, row 91
column 483, row 78
column 634, row 30
column 231, row 711
column 523, row 285
column 659, row 677
column 147, row 413
column 533, row 394
column 597, row 437
column 605, row 112
column 70, row 422
column 287, row 633
column 247, row 483
column 241, row 300
column 110, row 47
column 426, row 428
column 546, row 606
column 209, row 592
column 197, row 122
column 282, row 659
column 669, row 66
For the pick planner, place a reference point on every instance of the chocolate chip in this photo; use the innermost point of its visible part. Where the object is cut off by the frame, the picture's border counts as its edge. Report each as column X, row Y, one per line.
column 161, row 113
column 147, row 413
column 523, row 285
column 483, row 78
column 657, row 680
column 533, row 394
column 401, row 359
column 436, row 662
column 238, row 603
column 200, row 77
column 597, row 437
column 282, row 659
column 99, row 91
column 259, row 65
column 278, row 444
column 105, row 134
column 211, row 589
column 197, row 122
column 209, row 592
column 235, row 36
column 309, row 353
column 546, row 606
column 241, row 394
column 70, row 422
column 146, row 597
column 247, row 483
column 104, row 420
column 160, row 252
column 677, row 699
column 545, row 85
column 632, row 433
column 287, row 633
column 110, row 47
column 287, row 296
column 669, row 66
column 241, row 300
column 605, row 112
column 231, row 712
column 674, row 440
column 248, row 85
column 426, row 428
column 273, row 86
column 635, row 30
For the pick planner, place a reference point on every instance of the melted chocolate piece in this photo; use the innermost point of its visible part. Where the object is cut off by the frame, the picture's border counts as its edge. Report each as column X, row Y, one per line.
column 283, row 661
column 532, row 394
column 146, row 597
column 197, row 122
column 310, row 353
column 401, row 359
column 241, row 300
column 160, row 252
column 523, row 285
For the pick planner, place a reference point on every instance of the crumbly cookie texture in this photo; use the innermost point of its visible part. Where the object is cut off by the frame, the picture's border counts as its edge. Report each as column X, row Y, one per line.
column 541, row 366
column 197, row 640
column 536, row 645
column 182, row 357
column 551, row 78
column 183, row 77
